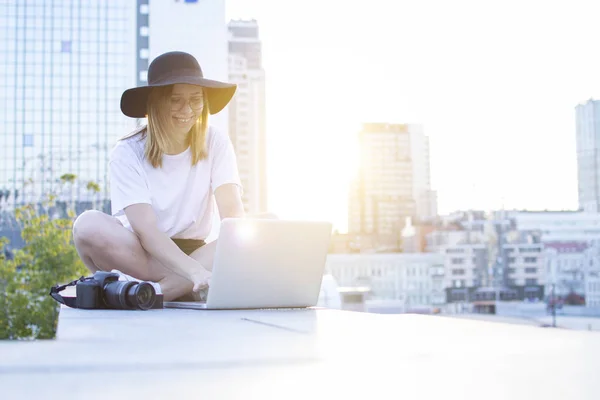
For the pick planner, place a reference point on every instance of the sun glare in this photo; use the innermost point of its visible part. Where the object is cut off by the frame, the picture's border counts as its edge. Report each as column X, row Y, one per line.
column 310, row 177
column 246, row 230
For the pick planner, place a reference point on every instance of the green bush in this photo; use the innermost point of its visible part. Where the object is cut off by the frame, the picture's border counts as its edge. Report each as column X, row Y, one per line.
column 48, row 257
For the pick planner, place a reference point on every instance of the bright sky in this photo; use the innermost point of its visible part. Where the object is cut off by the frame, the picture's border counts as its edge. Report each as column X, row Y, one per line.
column 494, row 83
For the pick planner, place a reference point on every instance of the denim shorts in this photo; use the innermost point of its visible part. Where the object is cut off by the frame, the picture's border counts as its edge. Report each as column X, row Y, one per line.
column 188, row 246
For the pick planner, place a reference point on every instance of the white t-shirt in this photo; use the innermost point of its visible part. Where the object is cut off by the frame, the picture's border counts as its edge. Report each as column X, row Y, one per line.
column 181, row 195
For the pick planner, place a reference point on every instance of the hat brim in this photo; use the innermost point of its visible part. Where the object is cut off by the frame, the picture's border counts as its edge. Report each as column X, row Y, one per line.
column 133, row 101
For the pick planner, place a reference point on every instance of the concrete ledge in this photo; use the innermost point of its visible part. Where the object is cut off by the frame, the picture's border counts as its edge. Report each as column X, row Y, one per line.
column 304, row 354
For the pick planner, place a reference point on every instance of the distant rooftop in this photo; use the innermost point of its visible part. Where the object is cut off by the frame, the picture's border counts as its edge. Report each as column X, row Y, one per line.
column 568, row 247
column 377, row 127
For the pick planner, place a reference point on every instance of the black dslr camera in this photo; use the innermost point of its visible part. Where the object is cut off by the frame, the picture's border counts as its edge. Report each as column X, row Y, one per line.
column 104, row 290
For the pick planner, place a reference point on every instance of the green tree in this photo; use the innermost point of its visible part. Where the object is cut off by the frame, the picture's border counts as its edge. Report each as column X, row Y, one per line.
column 93, row 188
column 48, row 257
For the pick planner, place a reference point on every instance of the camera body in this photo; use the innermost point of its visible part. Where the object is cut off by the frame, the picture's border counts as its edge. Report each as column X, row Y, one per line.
column 105, row 291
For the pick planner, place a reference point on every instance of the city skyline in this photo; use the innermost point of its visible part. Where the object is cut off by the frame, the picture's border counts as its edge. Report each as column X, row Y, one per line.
column 337, row 102
column 493, row 144
column 498, row 104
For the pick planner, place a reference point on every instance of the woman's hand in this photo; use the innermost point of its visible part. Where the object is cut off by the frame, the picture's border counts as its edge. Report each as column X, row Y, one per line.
column 200, row 277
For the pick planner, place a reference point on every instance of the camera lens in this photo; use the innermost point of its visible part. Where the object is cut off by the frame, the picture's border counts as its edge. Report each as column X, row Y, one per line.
column 141, row 296
column 129, row 295
column 115, row 294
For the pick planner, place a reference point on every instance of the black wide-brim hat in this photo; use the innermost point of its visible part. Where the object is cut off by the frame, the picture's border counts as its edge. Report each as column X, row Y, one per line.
column 169, row 69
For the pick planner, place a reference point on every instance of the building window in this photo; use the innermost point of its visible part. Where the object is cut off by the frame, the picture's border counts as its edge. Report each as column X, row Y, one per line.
column 65, row 46
column 458, row 271
column 529, row 249
column 449, row 251
column 457, row 261
column 27, row 140
column 531, row 281
column 530, row 270
column 512, row 270
column 530, row 259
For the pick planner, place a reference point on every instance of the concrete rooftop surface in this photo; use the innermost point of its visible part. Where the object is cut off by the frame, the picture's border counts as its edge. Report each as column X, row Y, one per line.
column 297, row 354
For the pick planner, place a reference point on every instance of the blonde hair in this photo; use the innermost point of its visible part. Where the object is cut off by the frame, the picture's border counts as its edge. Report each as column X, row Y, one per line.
column 159, row 124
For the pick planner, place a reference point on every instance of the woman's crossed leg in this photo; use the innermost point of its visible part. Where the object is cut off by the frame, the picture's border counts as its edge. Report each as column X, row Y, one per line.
column 104, row 244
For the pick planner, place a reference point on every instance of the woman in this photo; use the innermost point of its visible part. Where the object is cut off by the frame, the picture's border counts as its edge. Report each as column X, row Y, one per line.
column 163, row 178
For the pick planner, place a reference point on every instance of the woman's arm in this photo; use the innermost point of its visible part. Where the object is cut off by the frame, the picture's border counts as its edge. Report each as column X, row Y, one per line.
column 229, row 201
column 160, row 246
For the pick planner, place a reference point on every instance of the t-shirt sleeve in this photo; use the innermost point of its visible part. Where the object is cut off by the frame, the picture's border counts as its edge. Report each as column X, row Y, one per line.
column 224, row 167
column 128, row 184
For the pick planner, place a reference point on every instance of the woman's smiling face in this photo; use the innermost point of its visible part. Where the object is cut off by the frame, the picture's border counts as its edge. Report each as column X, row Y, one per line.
column 187, row 102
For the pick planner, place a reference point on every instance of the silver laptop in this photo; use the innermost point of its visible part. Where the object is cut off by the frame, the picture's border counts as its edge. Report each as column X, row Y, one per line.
column 266, row 263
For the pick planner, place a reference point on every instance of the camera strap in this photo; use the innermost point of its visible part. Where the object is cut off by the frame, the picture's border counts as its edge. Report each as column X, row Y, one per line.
column 68, row 301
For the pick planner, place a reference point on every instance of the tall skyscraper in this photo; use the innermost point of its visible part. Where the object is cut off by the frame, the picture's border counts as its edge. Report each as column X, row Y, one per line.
column 425, row 198
column 393, row 183
column 64, row 66
column 247, row 126
column 588, row 155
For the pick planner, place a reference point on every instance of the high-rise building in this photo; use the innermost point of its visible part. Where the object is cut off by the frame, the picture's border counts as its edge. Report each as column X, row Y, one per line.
column 64, row 66
column 588, row 155
column 425, row 198
column 393, row 183
column 247, row 126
